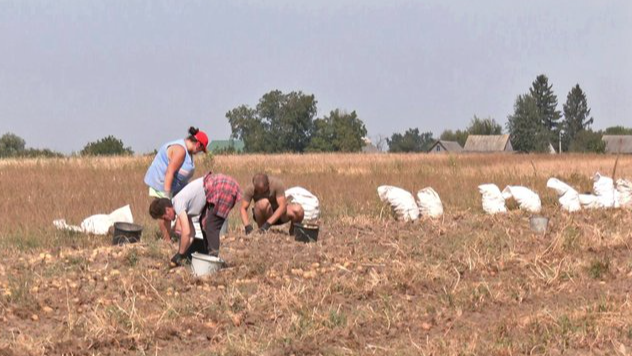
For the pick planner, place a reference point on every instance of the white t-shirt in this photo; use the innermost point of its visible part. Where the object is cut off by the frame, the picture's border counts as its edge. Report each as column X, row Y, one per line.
column 191, row 199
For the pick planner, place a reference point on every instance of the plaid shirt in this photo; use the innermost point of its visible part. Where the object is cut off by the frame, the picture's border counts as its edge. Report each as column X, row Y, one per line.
column 223, row 192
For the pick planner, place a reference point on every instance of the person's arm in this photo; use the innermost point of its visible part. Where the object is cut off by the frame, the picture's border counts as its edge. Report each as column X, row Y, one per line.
column 279, row 212
column 185, row 234
column 165, row 228
column 243, row 210
column 176, row 154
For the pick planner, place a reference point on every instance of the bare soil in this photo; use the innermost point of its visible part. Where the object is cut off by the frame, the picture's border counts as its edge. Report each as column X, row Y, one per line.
column 465, row 284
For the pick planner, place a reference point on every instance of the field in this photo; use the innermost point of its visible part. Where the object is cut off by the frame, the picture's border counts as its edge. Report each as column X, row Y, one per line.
column 466, row 284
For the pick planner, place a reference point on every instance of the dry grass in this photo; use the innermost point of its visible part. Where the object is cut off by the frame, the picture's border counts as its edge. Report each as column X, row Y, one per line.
column 466, row 284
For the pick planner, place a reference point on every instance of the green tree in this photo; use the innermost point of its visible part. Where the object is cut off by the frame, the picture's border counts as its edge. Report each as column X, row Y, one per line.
column 247, row 127
column 280, row 122
column 527, row 132
column 410, row 141
column 546, row 103
column 107, row 146
column 11, row 145
column 459, row 136
column 618, row 130
column 487, row 126
column 576, row 116
column 338, row 132
column 36, row 152
column 588, row 140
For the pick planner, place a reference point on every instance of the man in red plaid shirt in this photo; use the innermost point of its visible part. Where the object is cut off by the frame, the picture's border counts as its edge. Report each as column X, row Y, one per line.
column 211, row 197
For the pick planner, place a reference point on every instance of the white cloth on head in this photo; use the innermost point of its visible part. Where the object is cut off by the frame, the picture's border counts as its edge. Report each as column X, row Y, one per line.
column 568, row 197
column 493, row 201
column 527, row 199
column 401, row 201
column 429, row 203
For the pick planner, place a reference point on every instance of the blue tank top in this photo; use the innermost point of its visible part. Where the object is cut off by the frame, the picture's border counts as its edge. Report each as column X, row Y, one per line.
column 155, row 176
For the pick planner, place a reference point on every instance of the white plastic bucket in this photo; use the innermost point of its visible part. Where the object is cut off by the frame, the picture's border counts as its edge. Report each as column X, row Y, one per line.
column 202, row 264
column 538, row 224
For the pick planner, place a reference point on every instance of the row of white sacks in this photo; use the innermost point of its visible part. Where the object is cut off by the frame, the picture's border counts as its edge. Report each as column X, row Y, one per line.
column 428, row 203
column 604, row 196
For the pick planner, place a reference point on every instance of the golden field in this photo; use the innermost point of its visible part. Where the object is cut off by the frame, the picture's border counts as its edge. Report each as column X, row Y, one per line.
column 464, row 284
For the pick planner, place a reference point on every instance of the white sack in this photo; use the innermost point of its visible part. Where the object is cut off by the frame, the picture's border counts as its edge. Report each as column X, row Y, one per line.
column 493, row 201
column 98, row 224
column 61, row 224
column 307, row 200
column 590, row 201
column 401, row 201
column 568, row 197
column 624, row 190
column 604, row 189
column 429, row 203
column 527, row 199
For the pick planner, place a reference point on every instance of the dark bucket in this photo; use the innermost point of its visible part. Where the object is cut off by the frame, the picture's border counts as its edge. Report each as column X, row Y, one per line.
column 125, row 233
column 305, row 233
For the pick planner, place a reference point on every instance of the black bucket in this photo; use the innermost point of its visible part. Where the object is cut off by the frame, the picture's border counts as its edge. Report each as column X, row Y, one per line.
column 125, row 233
column 305, row 233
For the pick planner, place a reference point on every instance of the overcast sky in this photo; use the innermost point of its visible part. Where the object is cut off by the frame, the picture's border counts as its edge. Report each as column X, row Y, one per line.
column 75, row 71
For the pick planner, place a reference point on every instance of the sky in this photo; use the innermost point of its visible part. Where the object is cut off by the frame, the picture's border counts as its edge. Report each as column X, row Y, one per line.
column 72, row 72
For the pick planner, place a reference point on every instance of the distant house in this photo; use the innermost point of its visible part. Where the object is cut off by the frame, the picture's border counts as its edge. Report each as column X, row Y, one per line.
column 442, row 146
column 618, row 143
column 369, row 147
column 223, row 146
column 490, row 143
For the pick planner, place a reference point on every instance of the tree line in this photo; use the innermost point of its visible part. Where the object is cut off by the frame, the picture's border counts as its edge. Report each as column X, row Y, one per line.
column 536, row 125
column 12, row 145
column 287, row 122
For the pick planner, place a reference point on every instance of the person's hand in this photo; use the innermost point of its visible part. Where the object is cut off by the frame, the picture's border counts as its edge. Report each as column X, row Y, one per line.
column 265, row 227
column 169, row 195
column 248, row 229
column 178, row 260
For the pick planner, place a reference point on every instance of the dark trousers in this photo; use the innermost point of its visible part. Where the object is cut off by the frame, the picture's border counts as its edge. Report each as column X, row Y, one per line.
column 211, row 227
column 198, row 246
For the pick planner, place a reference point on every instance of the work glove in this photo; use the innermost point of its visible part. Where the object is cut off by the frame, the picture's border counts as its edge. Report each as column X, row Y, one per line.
column 169, row 195
column 178, row 260
column 265, row 227
column 248, row 229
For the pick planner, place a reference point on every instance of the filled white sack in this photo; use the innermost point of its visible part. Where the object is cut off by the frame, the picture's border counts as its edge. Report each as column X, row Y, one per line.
column 624, row 191
column 603, row 188
column 307, row 200
column 401, row 202
column 590, row 201
column 429, row 203
column 568, row 197
column 527, row 199
column 493, row 201
column 98, row 224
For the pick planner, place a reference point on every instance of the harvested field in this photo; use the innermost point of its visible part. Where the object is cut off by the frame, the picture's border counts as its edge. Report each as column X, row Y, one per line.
column 466, row 284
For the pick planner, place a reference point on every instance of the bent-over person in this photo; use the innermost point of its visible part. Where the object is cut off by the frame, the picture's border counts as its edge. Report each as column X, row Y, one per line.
column 211, row 197
column 270, row 205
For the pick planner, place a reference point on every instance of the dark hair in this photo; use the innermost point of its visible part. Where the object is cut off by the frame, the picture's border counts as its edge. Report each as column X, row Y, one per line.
column 260, row 180
column 158, row 207
column 192, row 132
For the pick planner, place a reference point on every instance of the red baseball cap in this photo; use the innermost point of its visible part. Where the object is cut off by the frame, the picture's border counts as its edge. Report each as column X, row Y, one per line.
column 202, row 138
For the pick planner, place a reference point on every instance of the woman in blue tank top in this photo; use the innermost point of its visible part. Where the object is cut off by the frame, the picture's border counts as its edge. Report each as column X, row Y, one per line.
column 173, row 167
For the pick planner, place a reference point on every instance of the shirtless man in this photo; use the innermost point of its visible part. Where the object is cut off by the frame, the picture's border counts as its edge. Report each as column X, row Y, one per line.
column 270, row 206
